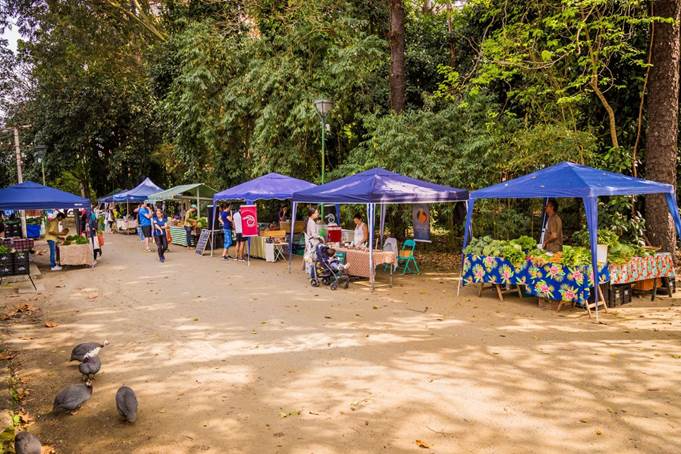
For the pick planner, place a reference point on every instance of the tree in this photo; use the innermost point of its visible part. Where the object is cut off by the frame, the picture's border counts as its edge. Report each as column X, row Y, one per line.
column 663, row 109
column 398, row 87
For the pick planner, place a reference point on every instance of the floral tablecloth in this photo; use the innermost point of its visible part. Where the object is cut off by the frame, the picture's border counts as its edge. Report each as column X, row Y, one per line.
column 559, row 282
column 552, row 280
column 641, row 268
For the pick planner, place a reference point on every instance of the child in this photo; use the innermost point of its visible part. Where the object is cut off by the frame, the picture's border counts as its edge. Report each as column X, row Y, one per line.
column 334, row 261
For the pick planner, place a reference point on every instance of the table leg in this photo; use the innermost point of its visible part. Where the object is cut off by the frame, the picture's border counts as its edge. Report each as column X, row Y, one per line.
column 391, row 275
column 499, row 294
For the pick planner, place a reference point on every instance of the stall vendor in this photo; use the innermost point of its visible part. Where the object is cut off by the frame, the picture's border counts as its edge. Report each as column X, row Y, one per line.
column 53, row 235
column 190, row 224
column 553, row 235
column 361, row 236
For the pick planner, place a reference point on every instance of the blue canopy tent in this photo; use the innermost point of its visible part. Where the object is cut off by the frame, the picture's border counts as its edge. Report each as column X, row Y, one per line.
column 570, row 180
column 377, row 187
column 109, row 198
column 33, row 196
column 272, row 186
column 139, row 193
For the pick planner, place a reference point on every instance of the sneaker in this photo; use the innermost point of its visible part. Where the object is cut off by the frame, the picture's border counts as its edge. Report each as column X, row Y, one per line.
column 55, row 268
column 224, row 257
column 163, row 259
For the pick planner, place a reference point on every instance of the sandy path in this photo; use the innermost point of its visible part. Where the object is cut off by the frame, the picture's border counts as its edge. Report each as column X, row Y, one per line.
column 229, row 358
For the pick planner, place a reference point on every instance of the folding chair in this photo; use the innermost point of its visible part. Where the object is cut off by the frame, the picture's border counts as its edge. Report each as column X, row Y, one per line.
column 406, row 257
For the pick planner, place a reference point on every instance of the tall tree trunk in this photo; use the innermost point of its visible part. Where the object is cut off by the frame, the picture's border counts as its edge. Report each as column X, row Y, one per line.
column 398, row 85
column 663, row 108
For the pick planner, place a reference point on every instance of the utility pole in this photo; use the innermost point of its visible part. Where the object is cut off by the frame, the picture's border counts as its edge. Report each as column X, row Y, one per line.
column 20, row 173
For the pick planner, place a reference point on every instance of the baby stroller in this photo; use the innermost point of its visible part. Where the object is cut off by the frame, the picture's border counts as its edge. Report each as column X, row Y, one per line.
column 327, row 270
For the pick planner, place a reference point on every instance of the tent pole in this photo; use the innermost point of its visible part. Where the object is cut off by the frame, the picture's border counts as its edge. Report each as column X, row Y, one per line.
column 591, row 210
column 212, row 230
column 370, row 215
column 382, row 223
column 294, row 205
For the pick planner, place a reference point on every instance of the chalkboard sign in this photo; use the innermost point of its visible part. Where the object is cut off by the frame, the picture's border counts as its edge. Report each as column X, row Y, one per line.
column 203, row 241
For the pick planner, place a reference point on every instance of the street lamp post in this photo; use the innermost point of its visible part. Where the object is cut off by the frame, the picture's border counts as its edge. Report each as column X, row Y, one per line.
column 20, row 173
column 323, row 107
column 40, row 152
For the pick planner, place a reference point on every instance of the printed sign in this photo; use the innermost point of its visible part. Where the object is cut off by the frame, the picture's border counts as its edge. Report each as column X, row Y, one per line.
column 249, row 220
column 420, row 216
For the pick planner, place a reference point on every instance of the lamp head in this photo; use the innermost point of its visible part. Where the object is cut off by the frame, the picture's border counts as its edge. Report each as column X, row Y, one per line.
column 323, row 107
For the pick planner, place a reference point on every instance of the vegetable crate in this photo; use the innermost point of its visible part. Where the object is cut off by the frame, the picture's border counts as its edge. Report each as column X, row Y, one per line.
column 6, row 264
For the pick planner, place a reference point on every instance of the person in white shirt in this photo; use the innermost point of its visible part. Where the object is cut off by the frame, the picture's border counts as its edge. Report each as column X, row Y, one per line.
column 239, row 231
column 361, row 232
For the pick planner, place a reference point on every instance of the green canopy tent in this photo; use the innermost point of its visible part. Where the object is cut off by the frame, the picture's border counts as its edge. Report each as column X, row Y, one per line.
column 193, row 193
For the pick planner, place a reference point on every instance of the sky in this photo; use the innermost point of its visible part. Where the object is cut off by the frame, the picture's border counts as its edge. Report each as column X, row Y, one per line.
column 11, row 36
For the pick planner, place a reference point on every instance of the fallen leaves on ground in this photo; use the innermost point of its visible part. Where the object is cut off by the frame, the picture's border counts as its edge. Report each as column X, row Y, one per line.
column 4, row 356
column 16, row 310
column 51, row 324
column 422, row 444
column 284, row 414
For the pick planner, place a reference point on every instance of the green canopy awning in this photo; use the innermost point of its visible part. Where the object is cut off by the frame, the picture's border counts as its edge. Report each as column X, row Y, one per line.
column 184, row 191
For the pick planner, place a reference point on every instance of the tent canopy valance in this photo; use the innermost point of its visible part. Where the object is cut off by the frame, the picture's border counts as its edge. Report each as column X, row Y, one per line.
column 572, row 180
column 380, row 186
column 568, row 179
column 272, row 186
column 138, row 193
column 184, row 191
column 108, row 198
column 33, row 196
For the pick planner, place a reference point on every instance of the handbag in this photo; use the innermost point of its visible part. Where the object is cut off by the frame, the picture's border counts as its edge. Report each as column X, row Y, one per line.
column 100, row 238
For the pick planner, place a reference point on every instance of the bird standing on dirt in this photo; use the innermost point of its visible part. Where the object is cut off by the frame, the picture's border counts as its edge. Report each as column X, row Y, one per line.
column 86, row 350
column 89, row 367
column 126, row 403
column 72, row 397
column 26, row 443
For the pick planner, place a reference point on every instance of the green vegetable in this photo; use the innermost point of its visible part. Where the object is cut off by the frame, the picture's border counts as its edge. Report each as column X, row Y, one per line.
column 605, row 236
column 525, row 242
column 575, row 256
column 4, row 249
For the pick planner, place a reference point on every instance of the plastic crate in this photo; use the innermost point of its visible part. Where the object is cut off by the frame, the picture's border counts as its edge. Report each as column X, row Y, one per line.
column 21, row 263
column 33, row 231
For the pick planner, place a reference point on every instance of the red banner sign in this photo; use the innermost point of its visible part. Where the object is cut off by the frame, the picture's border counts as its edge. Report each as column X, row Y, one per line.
column 249, row 220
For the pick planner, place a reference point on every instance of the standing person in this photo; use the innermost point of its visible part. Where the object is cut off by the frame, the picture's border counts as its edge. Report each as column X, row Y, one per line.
column 239, row 231
column 226, row 220
column 311, row 236
column 553, row 235
column 160, row 224
column 145, row 214
column 283, row 214
column 361, row 236
column 52, row 235
column 189, row 224
column 92, row 226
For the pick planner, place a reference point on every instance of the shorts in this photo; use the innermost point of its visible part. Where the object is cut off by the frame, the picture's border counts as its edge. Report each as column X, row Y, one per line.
column 240, row 238
column 228, row 239
column 146, row 231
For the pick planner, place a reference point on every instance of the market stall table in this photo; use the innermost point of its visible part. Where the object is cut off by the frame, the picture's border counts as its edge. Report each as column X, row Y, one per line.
column 358, row 259
column 559, row 282
column 76, row 254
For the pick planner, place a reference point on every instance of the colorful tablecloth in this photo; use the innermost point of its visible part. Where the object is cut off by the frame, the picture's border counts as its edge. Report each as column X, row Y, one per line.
column 551, row 280
column 641, row 268
column 359, row 260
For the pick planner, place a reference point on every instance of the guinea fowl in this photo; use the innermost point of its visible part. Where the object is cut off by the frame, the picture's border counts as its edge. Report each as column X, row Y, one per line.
column 26, row 443
column 86, row 350
column 72, row 397
column 126, row 403
column 90, row 366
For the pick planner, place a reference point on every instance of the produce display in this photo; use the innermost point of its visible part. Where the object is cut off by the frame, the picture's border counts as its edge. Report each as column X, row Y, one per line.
column 75, row 239
column 517, row 250
column 4, row 249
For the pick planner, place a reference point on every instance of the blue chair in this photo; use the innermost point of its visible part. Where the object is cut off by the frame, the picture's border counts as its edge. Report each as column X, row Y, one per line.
column 406, row 257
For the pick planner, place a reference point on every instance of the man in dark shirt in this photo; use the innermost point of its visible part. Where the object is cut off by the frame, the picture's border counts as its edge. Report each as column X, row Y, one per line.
column 226, row 222
column 553, row 235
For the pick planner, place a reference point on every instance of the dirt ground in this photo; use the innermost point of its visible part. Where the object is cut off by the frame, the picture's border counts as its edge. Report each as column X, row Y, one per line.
column 227, row 358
